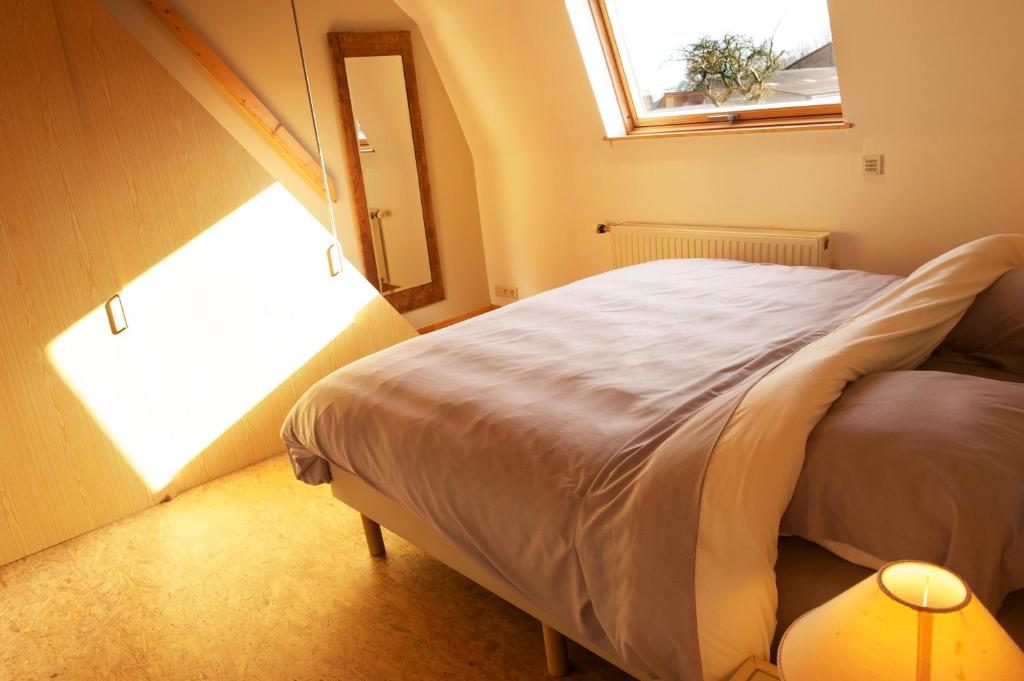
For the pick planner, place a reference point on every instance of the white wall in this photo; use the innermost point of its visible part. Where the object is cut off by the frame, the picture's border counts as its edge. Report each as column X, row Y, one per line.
column 258, row 41
column 932, row 85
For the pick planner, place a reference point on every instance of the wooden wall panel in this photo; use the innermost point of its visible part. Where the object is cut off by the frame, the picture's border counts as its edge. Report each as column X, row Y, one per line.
column 109, row 166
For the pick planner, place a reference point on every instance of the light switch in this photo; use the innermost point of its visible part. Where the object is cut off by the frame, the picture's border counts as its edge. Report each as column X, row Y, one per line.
column 873, row 164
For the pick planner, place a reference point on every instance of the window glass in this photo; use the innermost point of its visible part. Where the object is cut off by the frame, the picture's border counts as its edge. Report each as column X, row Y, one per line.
column 682, row 57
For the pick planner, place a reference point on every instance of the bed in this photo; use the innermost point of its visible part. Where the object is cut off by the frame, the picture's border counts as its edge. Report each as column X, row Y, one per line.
column 615, row 456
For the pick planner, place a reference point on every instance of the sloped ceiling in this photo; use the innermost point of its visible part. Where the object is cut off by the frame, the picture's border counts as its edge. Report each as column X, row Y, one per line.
column 513, row 71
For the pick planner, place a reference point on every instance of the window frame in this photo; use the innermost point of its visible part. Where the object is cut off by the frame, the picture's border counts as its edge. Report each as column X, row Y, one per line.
column 780, row 118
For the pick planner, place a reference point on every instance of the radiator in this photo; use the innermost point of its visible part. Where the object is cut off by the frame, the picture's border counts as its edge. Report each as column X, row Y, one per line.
column 634, row 243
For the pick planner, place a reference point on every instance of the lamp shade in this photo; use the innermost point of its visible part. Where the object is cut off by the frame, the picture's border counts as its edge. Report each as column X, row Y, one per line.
column 911, row 621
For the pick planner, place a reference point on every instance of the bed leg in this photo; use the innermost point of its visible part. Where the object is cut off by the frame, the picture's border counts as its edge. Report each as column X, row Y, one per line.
column 374, row 537
column 557, row 651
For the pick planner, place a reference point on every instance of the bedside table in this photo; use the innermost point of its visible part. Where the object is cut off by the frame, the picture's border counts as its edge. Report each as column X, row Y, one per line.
column 755, row 669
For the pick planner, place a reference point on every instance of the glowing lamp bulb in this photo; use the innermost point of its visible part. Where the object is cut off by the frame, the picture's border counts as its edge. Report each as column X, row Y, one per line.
column 924, row 587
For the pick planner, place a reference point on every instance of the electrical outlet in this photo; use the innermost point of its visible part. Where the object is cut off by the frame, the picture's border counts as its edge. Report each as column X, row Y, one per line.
column 507, row 292
column 873, row 164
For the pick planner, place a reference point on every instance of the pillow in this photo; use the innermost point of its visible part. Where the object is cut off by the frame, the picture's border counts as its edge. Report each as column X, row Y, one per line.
column 921, row 465
column 992, row 329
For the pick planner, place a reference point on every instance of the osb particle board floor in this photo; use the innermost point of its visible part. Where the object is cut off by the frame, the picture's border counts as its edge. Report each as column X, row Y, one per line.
column 257, row 576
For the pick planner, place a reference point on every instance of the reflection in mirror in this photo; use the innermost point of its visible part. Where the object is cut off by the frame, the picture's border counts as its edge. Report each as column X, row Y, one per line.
column 388, row 162
column 387, row 166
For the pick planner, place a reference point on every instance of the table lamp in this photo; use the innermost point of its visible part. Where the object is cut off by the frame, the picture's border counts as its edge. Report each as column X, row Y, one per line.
column 910, row 621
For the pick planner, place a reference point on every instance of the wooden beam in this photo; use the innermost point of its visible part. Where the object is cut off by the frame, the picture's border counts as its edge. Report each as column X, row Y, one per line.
column 268, row 124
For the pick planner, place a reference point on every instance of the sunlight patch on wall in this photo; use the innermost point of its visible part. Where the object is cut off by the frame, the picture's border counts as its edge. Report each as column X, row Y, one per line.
column 213, row 329
column 581, row 15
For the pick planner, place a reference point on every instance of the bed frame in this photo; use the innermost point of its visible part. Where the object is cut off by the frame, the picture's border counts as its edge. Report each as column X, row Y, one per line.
column 377, row 510
column 806, row 574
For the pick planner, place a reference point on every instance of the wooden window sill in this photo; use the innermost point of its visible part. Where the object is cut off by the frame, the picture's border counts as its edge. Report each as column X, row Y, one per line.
column 738, row 128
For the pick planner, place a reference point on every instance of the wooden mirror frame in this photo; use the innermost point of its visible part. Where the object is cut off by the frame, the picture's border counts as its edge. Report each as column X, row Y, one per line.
column 386, row 44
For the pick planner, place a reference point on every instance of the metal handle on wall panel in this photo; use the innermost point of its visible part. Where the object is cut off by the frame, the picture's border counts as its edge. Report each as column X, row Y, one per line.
column 115, row 314
column 334, row 259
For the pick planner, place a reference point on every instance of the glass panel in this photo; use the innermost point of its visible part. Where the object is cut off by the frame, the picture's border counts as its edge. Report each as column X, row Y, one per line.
column 390, row 176
column 684, row 57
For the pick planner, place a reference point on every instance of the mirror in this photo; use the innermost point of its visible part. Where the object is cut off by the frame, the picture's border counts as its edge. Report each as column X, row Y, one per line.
column 386, row 161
